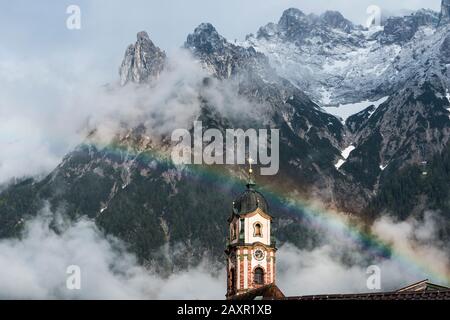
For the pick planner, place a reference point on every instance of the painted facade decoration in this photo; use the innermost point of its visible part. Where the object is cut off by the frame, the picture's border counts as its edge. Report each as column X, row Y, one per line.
column 251, row 249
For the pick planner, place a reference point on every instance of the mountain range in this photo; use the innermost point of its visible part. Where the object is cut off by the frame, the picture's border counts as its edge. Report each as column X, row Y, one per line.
column 364, row 119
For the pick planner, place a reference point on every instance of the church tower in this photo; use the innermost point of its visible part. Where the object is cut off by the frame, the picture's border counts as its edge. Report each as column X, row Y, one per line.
column 250, row 250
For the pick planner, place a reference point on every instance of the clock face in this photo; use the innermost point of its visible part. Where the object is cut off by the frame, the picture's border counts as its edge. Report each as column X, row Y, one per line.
column 259, row 254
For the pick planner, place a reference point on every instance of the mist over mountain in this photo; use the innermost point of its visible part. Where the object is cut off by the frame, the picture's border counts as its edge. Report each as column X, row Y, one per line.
column 364, row 120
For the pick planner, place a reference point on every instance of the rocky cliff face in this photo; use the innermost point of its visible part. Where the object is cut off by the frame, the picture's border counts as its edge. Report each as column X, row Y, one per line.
column 142, row 61
column 336, row 62
column 304, row 127
column 222, row 58
column 298, row 28
column 402, row 29
column 445, row 50
column 413, row 123
column 445, row 12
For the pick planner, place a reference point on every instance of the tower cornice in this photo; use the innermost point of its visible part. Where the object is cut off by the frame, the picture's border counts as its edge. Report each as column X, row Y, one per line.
column 254, row 213
column 251, row 246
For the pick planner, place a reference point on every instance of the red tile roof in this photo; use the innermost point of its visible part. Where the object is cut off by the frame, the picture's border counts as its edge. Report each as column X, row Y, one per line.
column 416, row 295
column 422, row 290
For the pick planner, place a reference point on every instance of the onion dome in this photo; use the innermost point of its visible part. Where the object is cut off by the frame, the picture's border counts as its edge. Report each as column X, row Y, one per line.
column 250, row 199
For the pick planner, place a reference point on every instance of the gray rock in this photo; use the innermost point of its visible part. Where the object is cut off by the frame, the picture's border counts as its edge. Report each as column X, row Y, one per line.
column 335, row 19
column 142, row 61
column 222, row 58
column 445, row 50
column 402, row 29
column 296, row 26
column 445, row 12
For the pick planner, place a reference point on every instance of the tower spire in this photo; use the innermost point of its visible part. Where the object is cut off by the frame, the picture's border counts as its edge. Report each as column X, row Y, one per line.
column 250, row 247
column 250, row 181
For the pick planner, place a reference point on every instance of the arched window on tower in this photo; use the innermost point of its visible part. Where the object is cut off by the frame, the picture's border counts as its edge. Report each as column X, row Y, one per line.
column 232, row 280
column 257, row 230
column 258, row 277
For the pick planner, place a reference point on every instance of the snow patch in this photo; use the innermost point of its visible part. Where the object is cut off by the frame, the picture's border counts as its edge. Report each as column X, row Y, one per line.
column 344, row 111
column 345, row 154
column 325, row 96
column 339, row 164
column 347, row 151
column 447, row 95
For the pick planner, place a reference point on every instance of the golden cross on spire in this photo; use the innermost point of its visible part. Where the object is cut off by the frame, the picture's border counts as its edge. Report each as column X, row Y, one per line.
column 250, row 161
column 250, row 182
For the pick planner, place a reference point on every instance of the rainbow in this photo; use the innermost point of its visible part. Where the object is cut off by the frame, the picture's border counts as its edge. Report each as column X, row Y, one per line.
column 318, row 218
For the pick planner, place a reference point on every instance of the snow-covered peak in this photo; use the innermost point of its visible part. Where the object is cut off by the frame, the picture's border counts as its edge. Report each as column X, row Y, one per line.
column 400, row 30
column 338, row 63
column 294, row 18
column 296, row 26
column 291, row 16
column 206, row 39
column 222, row 58
column 336, row 20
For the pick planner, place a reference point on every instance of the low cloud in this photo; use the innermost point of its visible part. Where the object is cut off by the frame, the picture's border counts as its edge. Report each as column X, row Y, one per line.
column 340, row 265
column 34, row 266
column 47, row 110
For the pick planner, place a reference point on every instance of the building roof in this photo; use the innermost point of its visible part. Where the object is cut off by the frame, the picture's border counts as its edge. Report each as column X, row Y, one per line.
column 422, row 290
column 268, row 292
column 417, row 295
column 423, row 285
